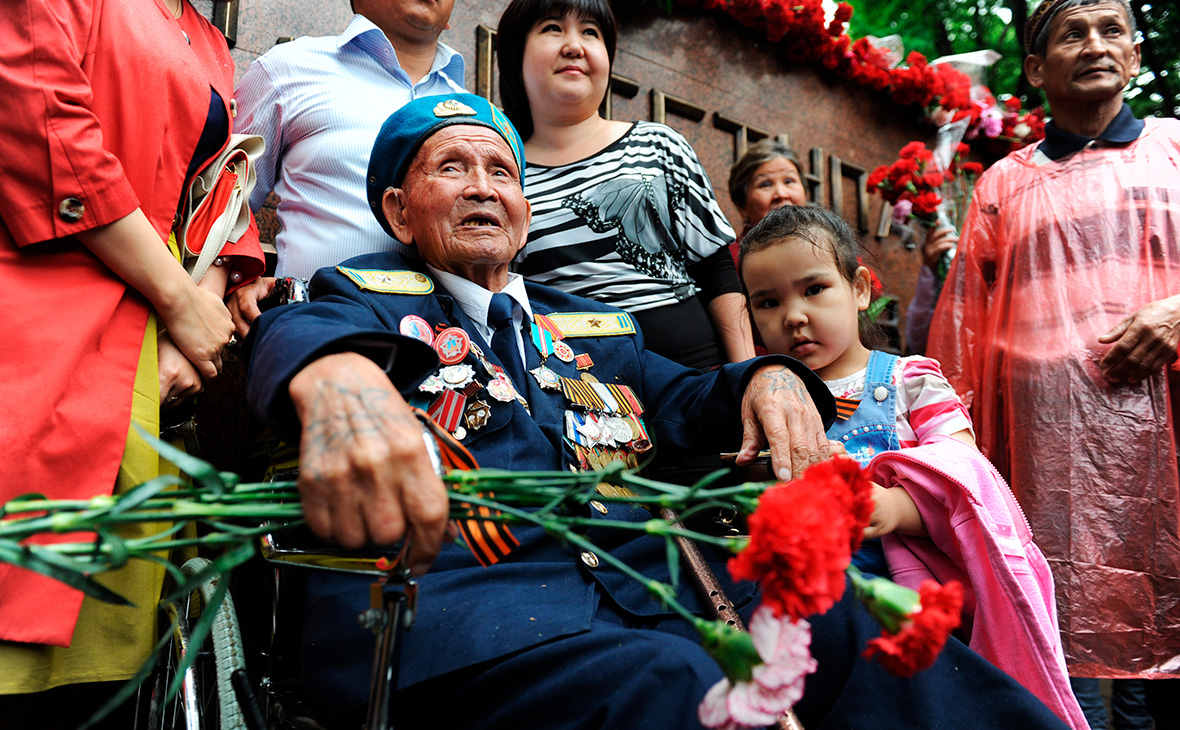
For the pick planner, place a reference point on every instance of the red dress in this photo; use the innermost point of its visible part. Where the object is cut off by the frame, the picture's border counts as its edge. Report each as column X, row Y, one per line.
column 106, row 102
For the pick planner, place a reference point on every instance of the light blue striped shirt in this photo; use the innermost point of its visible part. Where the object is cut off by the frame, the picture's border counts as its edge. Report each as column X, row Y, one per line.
column 318, row 103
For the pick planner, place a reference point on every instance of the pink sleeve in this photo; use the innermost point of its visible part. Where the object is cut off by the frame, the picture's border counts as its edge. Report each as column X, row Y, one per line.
column 933, row 406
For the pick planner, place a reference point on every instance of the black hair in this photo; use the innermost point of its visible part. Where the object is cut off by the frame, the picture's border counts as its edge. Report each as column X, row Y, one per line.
column 516, row 23
column 824, row 230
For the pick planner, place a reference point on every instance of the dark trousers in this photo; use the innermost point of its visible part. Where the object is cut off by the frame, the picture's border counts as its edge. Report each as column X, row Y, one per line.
column 624, row 676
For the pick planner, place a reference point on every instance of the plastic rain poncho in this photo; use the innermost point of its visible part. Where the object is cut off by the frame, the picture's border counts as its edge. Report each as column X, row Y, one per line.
column 1052, row 256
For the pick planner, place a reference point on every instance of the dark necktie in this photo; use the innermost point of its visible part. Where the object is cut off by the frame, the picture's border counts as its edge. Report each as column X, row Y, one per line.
column 504, row 338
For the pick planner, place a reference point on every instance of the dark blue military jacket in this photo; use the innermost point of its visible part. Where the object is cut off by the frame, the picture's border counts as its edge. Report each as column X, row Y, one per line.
column 469, row 614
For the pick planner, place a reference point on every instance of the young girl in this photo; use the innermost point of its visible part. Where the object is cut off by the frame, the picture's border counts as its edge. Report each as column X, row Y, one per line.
column 806, row 292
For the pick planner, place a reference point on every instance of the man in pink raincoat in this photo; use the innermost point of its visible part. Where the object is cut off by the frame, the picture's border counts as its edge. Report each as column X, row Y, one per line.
column 1059, row 325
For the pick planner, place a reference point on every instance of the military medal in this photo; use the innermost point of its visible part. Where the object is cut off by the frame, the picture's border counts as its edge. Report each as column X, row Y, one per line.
column 629, row 396
column 581, row 395
column 640, row 442
column 583, row 361
column 452, row 345
column 590, row 429
column 542, row 340
column 501, row 389
column 477, row 415
column 414, row 326
column 546, row 378
column 620, row 429
column 547, row 324
column 457, row 376
column 610, row 405
column 447, row 409
column 563, row 351
column 433, row 384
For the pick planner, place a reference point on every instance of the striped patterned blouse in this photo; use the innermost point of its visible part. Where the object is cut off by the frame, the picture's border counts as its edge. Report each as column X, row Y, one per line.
column 624, row 225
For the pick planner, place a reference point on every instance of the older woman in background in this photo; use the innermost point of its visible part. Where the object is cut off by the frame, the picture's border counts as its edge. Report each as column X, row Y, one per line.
column 767, row 176
column 622, row 212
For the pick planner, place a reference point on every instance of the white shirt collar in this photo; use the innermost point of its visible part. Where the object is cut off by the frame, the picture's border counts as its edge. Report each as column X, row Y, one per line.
column 473, row 299
column 447, row 60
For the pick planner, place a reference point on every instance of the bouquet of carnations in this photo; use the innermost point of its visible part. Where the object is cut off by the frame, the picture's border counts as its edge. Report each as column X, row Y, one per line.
column 802, row 534
column 931, row 186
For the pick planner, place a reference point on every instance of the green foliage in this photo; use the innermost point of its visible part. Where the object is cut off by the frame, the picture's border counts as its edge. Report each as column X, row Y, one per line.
column 942, row 27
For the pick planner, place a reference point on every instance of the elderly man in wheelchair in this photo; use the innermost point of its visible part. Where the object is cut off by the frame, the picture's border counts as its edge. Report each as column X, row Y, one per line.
column 530, row 634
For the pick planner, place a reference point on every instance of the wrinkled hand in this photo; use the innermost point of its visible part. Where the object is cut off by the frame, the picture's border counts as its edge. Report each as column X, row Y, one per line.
column 364, row 474
column 200, row 326
column 179, row 380
column 938, row 242
column 777, row 410
column 1144, row 343
column 243, row 303
column 894, row 511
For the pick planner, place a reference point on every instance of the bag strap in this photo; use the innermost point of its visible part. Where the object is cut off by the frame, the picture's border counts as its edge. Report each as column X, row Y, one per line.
column 252, row 145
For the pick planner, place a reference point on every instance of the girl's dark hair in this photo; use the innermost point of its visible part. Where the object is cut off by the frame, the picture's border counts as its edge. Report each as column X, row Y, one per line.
column 824, row 230
column 518, row 19
column 812, row 223
column 756, row 156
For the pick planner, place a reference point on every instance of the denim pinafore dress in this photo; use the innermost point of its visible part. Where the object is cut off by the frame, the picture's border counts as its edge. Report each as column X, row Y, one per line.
column 871, row 429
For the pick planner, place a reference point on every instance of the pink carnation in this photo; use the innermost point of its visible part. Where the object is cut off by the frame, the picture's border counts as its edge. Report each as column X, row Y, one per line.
column 901, row 211
column 784, row 646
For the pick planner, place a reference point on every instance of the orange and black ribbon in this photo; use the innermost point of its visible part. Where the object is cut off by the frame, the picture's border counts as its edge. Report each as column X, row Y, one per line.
column 489, row 541
column 845, row 407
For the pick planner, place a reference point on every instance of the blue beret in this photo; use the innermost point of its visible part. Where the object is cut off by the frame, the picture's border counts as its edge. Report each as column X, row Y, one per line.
column 406, row 129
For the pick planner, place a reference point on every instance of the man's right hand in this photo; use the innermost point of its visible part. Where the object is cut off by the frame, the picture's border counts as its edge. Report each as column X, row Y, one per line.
column 243, row 303
column 364, row 474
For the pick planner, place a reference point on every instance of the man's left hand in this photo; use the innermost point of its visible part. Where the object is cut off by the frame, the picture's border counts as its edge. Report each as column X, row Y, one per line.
column 1144, row 343
column 777, row 410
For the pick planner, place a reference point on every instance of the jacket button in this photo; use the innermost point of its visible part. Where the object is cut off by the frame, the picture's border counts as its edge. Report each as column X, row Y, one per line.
column 590, row 559
column 598, row 506
column 71, row 210
column 881, row 393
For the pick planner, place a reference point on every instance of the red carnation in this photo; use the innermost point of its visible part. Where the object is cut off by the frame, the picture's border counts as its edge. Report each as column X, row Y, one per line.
column 843, row 477
column 912, row 150
column 798, row 548
column 932, row 179
column 926, row 203
column 917, row 644
column 876, row 177
column 972, row 169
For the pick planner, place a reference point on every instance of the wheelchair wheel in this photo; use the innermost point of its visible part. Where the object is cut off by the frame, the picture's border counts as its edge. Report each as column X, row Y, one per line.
column 209, row 697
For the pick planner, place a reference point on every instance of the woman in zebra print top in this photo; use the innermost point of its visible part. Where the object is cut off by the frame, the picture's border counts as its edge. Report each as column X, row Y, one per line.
column 622, row 212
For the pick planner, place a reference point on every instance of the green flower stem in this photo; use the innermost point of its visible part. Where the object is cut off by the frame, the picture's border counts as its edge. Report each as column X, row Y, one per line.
column 890, row 604
column 654, row 526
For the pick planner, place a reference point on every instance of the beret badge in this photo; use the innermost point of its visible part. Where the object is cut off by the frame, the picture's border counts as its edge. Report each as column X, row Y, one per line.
column 453, row 108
